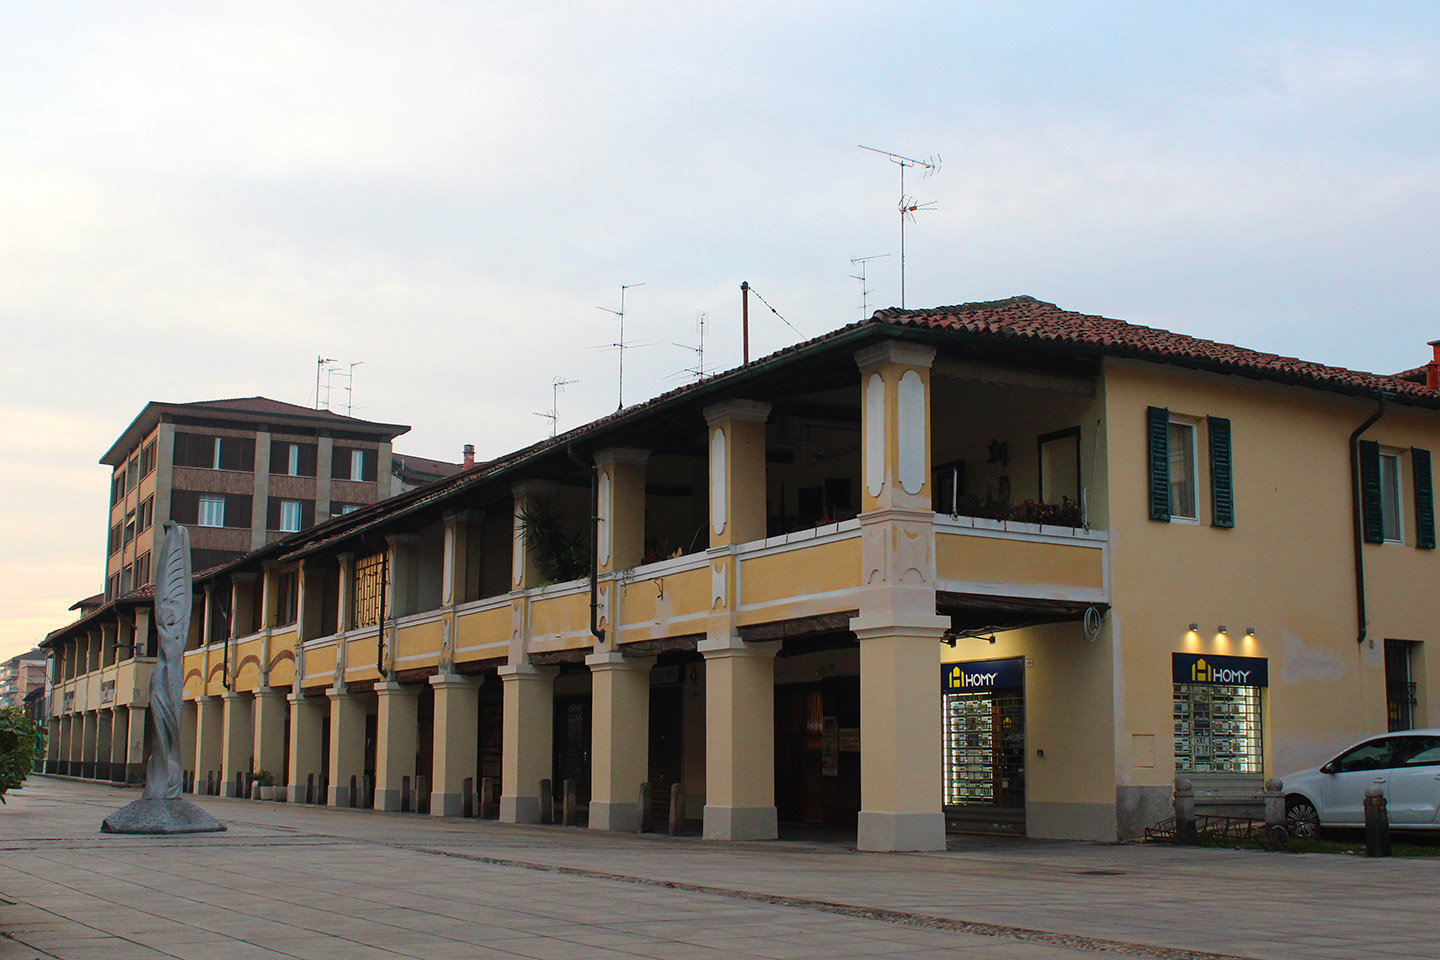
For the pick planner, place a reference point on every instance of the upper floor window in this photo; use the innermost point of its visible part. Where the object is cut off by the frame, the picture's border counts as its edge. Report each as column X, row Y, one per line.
column 212, row 512
column 353, row 464
column 215, row 453
column 129, row 526
column 145, row 516
column 117, row 486
column 287, row 599
column 1390, row 497
column 1173, row 454
column 1182, row 471
column 290, row 516
column 292, row 459
column 147, row 459
column 142, row 570
column 132, row 473
column 1382, row 498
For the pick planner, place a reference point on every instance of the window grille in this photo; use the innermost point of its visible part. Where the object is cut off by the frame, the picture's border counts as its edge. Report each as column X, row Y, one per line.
column 1217, row 729
column 369, row 589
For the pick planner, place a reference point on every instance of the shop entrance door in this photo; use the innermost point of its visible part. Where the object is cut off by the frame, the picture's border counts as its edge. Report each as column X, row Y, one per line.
column 984, row 717
column 817, row 752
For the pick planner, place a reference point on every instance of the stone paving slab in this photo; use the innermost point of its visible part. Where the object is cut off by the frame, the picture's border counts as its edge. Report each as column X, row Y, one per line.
column 312, row 882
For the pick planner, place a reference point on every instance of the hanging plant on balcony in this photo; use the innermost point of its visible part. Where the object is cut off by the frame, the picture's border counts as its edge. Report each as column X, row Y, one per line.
column 560, row 554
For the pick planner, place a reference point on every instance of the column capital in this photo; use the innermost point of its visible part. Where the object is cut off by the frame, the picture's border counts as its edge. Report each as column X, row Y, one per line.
column 525, row 671
column 533, row 488
column 267, row 693
column 467, row 515
column 718, row 647
column 917, row 625
column 755, row 411
column 395, row 540
column 616, row 660
column 338, row 693
column 390, row 688
column 623, row 455
column 247, row 576
column 894, row 351
column 446, row 681
column 233, row 695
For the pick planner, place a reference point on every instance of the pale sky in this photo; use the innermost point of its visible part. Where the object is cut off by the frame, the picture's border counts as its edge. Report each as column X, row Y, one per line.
column 198, row 199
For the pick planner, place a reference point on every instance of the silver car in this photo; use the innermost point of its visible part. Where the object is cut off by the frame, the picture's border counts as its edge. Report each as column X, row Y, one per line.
column 1404, row 764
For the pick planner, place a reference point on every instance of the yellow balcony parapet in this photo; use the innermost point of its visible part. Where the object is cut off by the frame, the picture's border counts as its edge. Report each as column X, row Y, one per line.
column 974, row 555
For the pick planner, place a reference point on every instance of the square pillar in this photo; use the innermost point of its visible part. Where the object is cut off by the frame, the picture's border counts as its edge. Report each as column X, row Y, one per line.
column 737, row 471
column 269, row 718
column 527, row 738
column 524, row 572
column 895, row 426
column 396, row 725
column 345, row 612
column 88, row 739
column 456, row 574
column 242, row 604
column 347, row 743
column 103, row 720
column 620, row 739
column 739, row 740
column 457, row 710
column 307, row 733
column 189, row 721
column 135, row 744
column 76, row 743
column 209, row 722
column 120, row 743
column 900, row 736
column 621, row 533
column 237, row 747
column 52, row 746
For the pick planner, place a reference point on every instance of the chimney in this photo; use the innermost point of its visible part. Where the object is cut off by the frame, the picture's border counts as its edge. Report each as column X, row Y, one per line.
column 470, row 447
column 1432, row 369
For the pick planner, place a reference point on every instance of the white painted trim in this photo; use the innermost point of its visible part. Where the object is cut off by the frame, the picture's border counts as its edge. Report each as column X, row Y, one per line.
column 415, row 619
column 874, row 448
column 801, row 598
column 492, row 645
column 830, row 533
column 910, row 432
column 483, row 604
column 717, row 480
column 1009, row 530
column 1030, row 591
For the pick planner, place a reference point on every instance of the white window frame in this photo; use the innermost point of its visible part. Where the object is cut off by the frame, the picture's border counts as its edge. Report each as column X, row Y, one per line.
column 290, row 516
column 357, row 464
column 349, row 508
column 292, row 465
column 216, row 464
column 1392, row 496
column 1194, row 469
column 210, row 512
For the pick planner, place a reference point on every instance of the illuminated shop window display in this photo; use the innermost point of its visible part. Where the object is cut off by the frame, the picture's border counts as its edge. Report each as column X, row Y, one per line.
column 1218, row 715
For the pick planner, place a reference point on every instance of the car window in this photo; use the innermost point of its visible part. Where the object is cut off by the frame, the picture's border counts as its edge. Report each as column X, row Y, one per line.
column 1374, row 755
column 1418, row 752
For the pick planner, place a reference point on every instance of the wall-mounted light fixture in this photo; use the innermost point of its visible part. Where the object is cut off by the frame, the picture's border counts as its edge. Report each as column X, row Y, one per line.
column 1249, row 631
column 999, row 452
column 1194, row 628
column 1224, row 629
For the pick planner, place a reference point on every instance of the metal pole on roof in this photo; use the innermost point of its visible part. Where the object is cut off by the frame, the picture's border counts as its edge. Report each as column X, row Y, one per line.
column 745, row 319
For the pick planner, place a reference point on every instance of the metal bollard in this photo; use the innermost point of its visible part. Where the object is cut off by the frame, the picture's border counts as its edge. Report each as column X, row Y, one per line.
column 1273, row 796
column 547, row 802
column 677, row 809
column 568, row 804
column 1185, row 828
column 1377, row 823
column 489, row 798
column 467, row 797
column 647, row 810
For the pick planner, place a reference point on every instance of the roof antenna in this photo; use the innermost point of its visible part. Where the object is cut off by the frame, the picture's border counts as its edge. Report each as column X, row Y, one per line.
column 864, row 292
column 908, row 204
column 320, row 366
column 698, row 371
column 553, row 414
column 350, row 389
column 620, row 344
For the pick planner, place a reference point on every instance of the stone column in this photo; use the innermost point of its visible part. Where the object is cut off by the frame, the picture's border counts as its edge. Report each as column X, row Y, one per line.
column 621, row 531
column 89, row 736
column 737, row 471
column 307, row 731
column 209, row 735
column 527, row 738
column 237, row 748
column 52, row 746
column 189, row 722
column 77, row 744
column 395, row 742
column 120, row 743
column 135, row 744
column 347, row 744
column 620, row 739
column 898, row 629
column 457, row 710
column 269, row 731
column 740, row 740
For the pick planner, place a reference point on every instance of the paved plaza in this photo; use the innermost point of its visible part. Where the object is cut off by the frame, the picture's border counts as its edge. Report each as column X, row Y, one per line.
column 311, row 882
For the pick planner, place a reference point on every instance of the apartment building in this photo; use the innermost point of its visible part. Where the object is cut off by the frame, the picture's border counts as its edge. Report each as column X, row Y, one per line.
column 239, row 473
column 995, row 566
column 20, row 676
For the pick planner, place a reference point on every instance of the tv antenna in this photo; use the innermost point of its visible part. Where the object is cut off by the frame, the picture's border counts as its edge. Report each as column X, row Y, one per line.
column 745, row 291
column 699, row 371
column 909, row 206
column 864, row 291
column 320, row 363
column 350, row 388
column 621, row 345
column 553, row 414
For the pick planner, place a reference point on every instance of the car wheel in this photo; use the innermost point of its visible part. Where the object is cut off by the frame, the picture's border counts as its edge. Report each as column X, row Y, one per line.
column 1302, row 818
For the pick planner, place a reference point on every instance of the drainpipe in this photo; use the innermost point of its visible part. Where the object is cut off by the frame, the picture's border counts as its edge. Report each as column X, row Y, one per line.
column 1361, row 621
column 595, row 630
column 229, row 634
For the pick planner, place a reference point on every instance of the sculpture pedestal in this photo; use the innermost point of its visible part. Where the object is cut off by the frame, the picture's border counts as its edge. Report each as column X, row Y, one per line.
column 160, row 816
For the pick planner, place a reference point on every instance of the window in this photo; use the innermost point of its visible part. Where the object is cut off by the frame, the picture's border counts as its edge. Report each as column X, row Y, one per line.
column 290, row 516
column 117, row 486
column 147, row 459
column 369, row 588
column 126, row 581
column 292, row 459
column 194, row 450
column 1418, row 752
column 132, row 473
column 352, row 464
column 1399, row 685
column 1217, row 729
column 142, row 570
column 948, row 482
column 1182, row 471
column 1390, row 497
column 1374, row 755
column 211, row 512
column 1060, row 466
column 287, row 599
column 129, row 527
column 357, row 464
column 145, row 516
column 114, row 538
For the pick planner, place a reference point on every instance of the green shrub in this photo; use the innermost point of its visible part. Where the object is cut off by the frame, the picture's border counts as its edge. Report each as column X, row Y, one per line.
column 17, row 748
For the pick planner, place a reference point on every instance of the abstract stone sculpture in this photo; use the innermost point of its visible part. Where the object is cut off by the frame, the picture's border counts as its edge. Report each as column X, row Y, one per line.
column 160, row 808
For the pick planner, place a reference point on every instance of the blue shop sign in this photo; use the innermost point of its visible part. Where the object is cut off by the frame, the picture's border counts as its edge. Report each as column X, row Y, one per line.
column 982, row 675
column 1220, row 671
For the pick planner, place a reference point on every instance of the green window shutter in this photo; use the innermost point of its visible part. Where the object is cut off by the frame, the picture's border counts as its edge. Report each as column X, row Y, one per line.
column 1370, row 512
column 1222, row 491
column 1157, row 420
column 1424, row 499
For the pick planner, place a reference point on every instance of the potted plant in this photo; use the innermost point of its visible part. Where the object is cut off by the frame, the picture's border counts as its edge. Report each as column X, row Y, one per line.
column 266, row 781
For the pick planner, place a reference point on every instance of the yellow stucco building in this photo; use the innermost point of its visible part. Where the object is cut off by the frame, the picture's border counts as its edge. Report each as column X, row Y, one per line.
column 997, row 566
